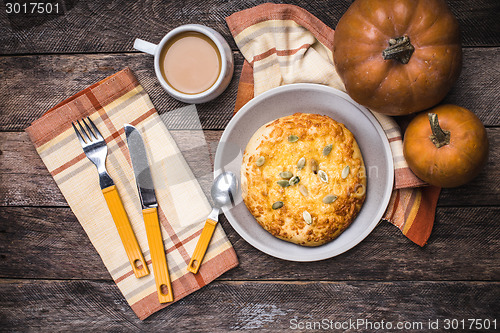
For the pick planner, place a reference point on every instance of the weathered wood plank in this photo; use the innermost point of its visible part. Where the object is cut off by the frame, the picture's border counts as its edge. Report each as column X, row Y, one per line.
column 49, row 243
column 478, row 87
column 33, row 84
column 112, row 26
column 26, row 182
column 62, row 306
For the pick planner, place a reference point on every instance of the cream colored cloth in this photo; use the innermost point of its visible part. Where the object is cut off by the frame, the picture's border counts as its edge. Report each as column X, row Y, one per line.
column 182, row 206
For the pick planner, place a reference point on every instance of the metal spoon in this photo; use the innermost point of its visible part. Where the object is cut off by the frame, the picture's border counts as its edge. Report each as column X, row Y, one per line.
column 223, row 192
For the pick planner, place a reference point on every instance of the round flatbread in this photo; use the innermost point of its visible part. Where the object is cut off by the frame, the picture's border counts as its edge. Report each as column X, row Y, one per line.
column 303, row 178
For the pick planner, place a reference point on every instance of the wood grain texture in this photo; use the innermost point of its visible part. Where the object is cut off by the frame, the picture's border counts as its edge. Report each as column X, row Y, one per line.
column 464, row 244
column 24, row 180
column 112, row 26
column 33, row 84
column 63, row 306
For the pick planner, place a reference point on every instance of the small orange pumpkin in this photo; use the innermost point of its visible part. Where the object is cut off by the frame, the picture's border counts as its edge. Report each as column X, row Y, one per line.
column 446, row 146
column 398, row 56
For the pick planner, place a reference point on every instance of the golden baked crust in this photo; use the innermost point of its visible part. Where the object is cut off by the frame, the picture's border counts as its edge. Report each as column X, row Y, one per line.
column 343, row 166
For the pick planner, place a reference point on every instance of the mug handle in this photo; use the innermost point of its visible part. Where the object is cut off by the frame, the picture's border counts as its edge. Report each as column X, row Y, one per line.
column 144, row 46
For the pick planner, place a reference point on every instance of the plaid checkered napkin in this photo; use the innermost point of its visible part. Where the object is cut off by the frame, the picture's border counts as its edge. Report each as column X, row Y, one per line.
column 284, row 44
column 183, row 207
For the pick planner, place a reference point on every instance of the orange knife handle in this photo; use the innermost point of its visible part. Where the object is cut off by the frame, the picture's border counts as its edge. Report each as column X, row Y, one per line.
column 125, row 231
column 202, row 245
column 158, row 257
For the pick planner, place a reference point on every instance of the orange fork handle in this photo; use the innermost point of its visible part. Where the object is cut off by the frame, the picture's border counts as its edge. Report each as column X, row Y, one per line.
column 158, row 257
column 202, row 245
column 125, row 231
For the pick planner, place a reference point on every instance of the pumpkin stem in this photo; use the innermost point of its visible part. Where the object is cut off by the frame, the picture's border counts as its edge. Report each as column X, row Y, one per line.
column 399, row 49
column 439, row 137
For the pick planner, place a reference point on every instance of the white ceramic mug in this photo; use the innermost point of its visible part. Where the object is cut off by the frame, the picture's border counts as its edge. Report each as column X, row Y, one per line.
column 227, row 62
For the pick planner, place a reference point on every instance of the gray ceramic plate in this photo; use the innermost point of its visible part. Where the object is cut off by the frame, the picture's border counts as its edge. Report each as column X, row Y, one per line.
column 310, row 98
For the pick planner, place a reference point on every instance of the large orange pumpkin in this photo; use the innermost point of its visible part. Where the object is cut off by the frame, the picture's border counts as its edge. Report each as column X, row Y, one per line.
column 446, row 146
column 398, row 56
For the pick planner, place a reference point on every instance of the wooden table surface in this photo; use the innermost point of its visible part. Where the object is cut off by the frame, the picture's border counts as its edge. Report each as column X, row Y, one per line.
column 52, row 279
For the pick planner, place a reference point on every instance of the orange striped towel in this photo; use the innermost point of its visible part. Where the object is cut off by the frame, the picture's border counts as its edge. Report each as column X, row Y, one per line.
column 284, row 44
column 183, row 207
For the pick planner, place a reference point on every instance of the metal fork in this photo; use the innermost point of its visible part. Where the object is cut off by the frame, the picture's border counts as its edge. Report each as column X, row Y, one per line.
column 96, row 150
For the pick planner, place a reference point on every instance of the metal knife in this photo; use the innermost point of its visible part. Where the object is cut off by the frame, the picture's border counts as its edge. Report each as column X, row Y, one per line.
column 147, row 195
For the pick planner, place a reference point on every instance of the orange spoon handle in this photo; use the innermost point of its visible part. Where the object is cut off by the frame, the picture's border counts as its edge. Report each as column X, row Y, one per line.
column 125, row 231
column 202, row 245
column 158, row 257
